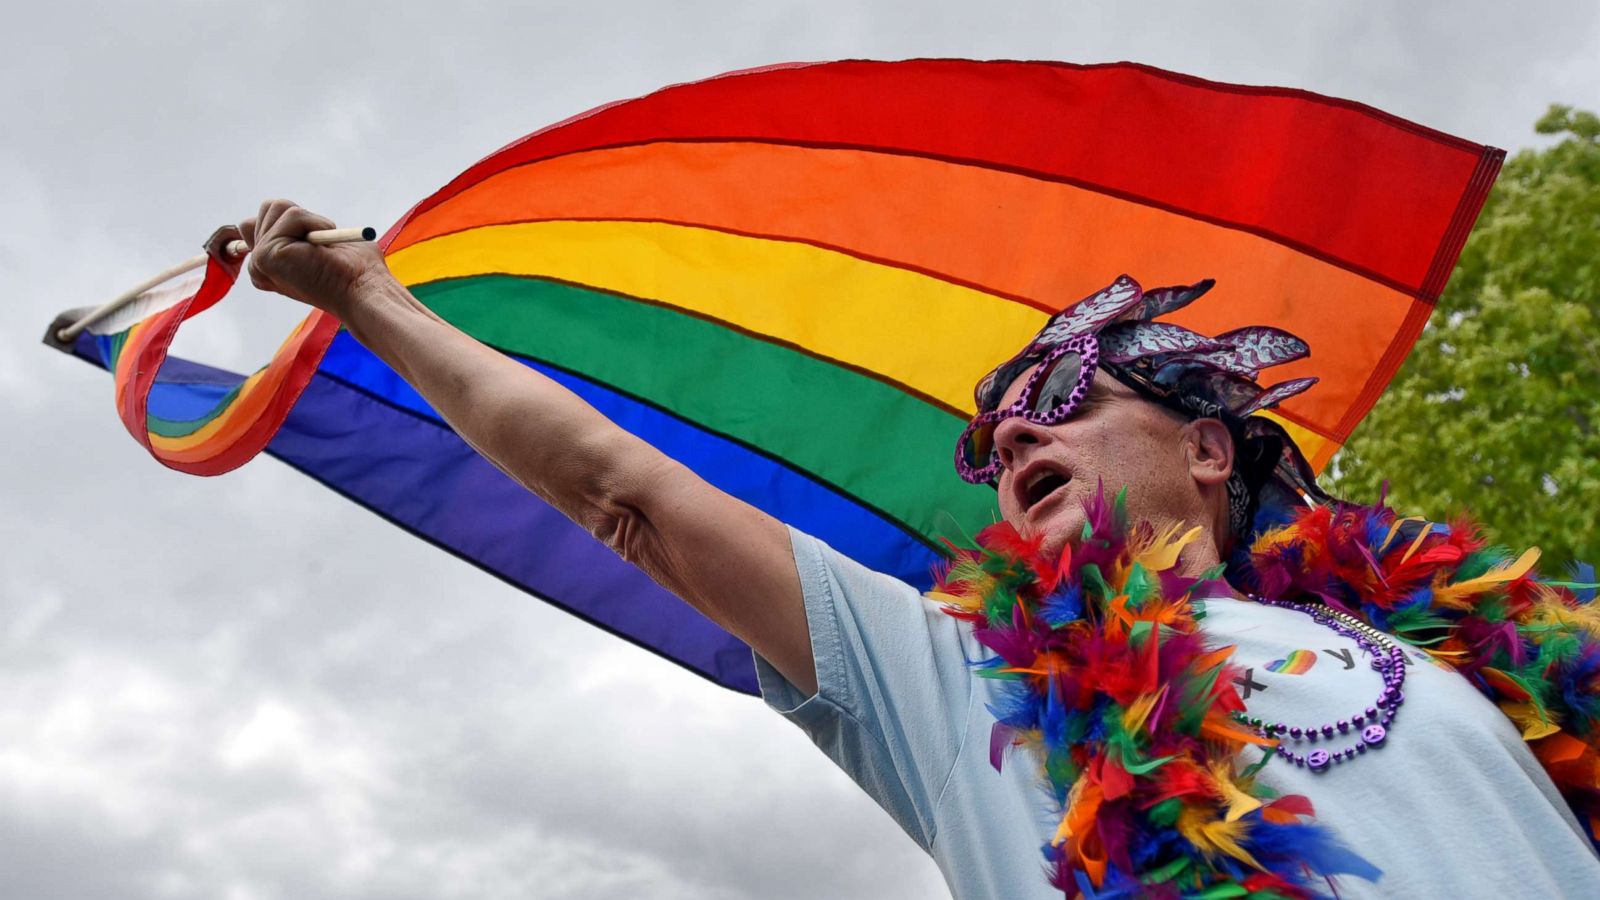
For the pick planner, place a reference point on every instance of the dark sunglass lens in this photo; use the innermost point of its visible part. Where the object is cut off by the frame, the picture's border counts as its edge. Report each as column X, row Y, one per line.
column 1057, row 385
column 980, row 446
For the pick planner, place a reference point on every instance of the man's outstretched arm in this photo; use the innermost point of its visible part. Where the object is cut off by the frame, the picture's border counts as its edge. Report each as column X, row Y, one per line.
column 726, row 558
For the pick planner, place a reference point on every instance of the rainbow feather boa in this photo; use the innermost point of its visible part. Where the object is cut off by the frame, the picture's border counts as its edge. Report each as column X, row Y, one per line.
column 1107, row 681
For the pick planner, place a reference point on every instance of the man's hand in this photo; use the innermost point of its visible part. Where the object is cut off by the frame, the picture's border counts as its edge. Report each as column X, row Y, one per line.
column 282, row 261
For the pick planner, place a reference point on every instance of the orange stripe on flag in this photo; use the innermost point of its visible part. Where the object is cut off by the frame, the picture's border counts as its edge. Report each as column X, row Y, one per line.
column 1040, row 242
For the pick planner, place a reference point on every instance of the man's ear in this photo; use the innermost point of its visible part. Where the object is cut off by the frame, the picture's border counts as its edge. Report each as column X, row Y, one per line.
column 1210, row 450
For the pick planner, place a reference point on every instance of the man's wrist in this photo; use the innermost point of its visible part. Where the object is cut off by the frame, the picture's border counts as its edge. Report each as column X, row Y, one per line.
column 373, row 288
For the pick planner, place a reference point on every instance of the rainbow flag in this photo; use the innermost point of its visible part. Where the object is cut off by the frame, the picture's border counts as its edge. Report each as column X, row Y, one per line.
column 790, row 279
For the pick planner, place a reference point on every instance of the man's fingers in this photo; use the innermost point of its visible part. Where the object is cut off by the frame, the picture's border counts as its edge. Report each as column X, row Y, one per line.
column 271, row 212
column 283, row 219
column 264, row 218
column 283, row 261
column 298, row 223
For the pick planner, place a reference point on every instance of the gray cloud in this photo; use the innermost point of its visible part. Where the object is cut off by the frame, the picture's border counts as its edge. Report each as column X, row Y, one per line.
column 247, row 688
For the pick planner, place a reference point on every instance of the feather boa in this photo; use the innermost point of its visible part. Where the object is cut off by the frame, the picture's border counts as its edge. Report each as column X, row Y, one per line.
column 1107, row 681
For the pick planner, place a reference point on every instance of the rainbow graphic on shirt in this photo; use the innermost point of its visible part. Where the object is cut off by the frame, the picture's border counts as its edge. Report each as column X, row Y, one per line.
column 1297, row 663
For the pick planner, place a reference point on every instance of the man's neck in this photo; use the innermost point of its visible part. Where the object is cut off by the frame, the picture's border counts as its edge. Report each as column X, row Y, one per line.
column 1200, row 556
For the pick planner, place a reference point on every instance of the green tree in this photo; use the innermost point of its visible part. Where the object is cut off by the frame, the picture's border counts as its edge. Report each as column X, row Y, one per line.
column 1497, row 410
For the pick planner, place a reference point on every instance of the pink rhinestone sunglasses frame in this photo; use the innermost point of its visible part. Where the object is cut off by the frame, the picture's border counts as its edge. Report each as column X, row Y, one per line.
column 982, row 427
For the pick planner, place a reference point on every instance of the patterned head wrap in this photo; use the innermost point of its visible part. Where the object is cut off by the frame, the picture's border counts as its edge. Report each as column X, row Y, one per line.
column 1197, row 376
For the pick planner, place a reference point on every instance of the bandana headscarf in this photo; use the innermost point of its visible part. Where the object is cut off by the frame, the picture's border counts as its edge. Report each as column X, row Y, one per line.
column 1197, row 376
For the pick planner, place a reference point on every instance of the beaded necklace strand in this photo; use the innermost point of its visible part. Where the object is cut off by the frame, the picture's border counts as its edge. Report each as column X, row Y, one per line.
column 1372, row 724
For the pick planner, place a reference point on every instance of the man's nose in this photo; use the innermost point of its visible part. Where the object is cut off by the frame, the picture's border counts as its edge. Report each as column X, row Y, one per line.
column 1015, row 433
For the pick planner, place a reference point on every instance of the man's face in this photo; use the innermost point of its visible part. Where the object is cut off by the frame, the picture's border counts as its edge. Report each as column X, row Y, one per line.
column 1049, row 471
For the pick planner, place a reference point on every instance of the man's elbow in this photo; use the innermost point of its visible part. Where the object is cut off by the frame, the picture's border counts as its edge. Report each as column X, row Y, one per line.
column 618, row 508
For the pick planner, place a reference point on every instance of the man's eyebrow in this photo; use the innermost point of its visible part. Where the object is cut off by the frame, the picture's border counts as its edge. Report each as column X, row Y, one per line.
column 1107, row 385
column 1104, row 384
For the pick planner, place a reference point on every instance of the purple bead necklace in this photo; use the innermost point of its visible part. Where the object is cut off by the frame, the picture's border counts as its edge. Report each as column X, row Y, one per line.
column 1373, row 723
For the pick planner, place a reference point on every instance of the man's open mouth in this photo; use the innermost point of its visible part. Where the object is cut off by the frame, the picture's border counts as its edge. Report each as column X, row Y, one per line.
column 1039, row 482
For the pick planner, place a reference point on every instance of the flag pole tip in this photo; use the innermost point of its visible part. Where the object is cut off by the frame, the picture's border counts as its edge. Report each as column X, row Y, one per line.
column 54, row 335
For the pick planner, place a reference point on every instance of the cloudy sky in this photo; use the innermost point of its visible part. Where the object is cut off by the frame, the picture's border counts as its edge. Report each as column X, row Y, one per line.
column 246, row 687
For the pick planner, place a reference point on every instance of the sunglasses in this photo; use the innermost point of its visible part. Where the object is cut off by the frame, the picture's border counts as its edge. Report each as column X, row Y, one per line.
column 1051, row 395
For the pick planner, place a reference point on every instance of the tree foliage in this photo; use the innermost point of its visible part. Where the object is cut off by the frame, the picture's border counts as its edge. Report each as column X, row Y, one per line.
column 1497, row 410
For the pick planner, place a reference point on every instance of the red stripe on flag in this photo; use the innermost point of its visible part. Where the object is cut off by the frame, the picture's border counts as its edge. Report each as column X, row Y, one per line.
column 1388, row 200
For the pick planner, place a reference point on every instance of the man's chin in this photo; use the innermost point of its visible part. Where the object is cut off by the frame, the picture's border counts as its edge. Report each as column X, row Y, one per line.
column 1059, row 526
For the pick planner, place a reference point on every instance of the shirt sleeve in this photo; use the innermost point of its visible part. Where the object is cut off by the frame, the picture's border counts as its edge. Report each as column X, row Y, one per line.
column 893, row 689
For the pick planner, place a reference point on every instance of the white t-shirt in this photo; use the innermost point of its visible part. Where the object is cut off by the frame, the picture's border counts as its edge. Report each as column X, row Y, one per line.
column 1452, row 805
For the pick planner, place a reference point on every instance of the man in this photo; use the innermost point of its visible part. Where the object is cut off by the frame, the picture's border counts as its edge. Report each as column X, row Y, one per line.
column 879, row 678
